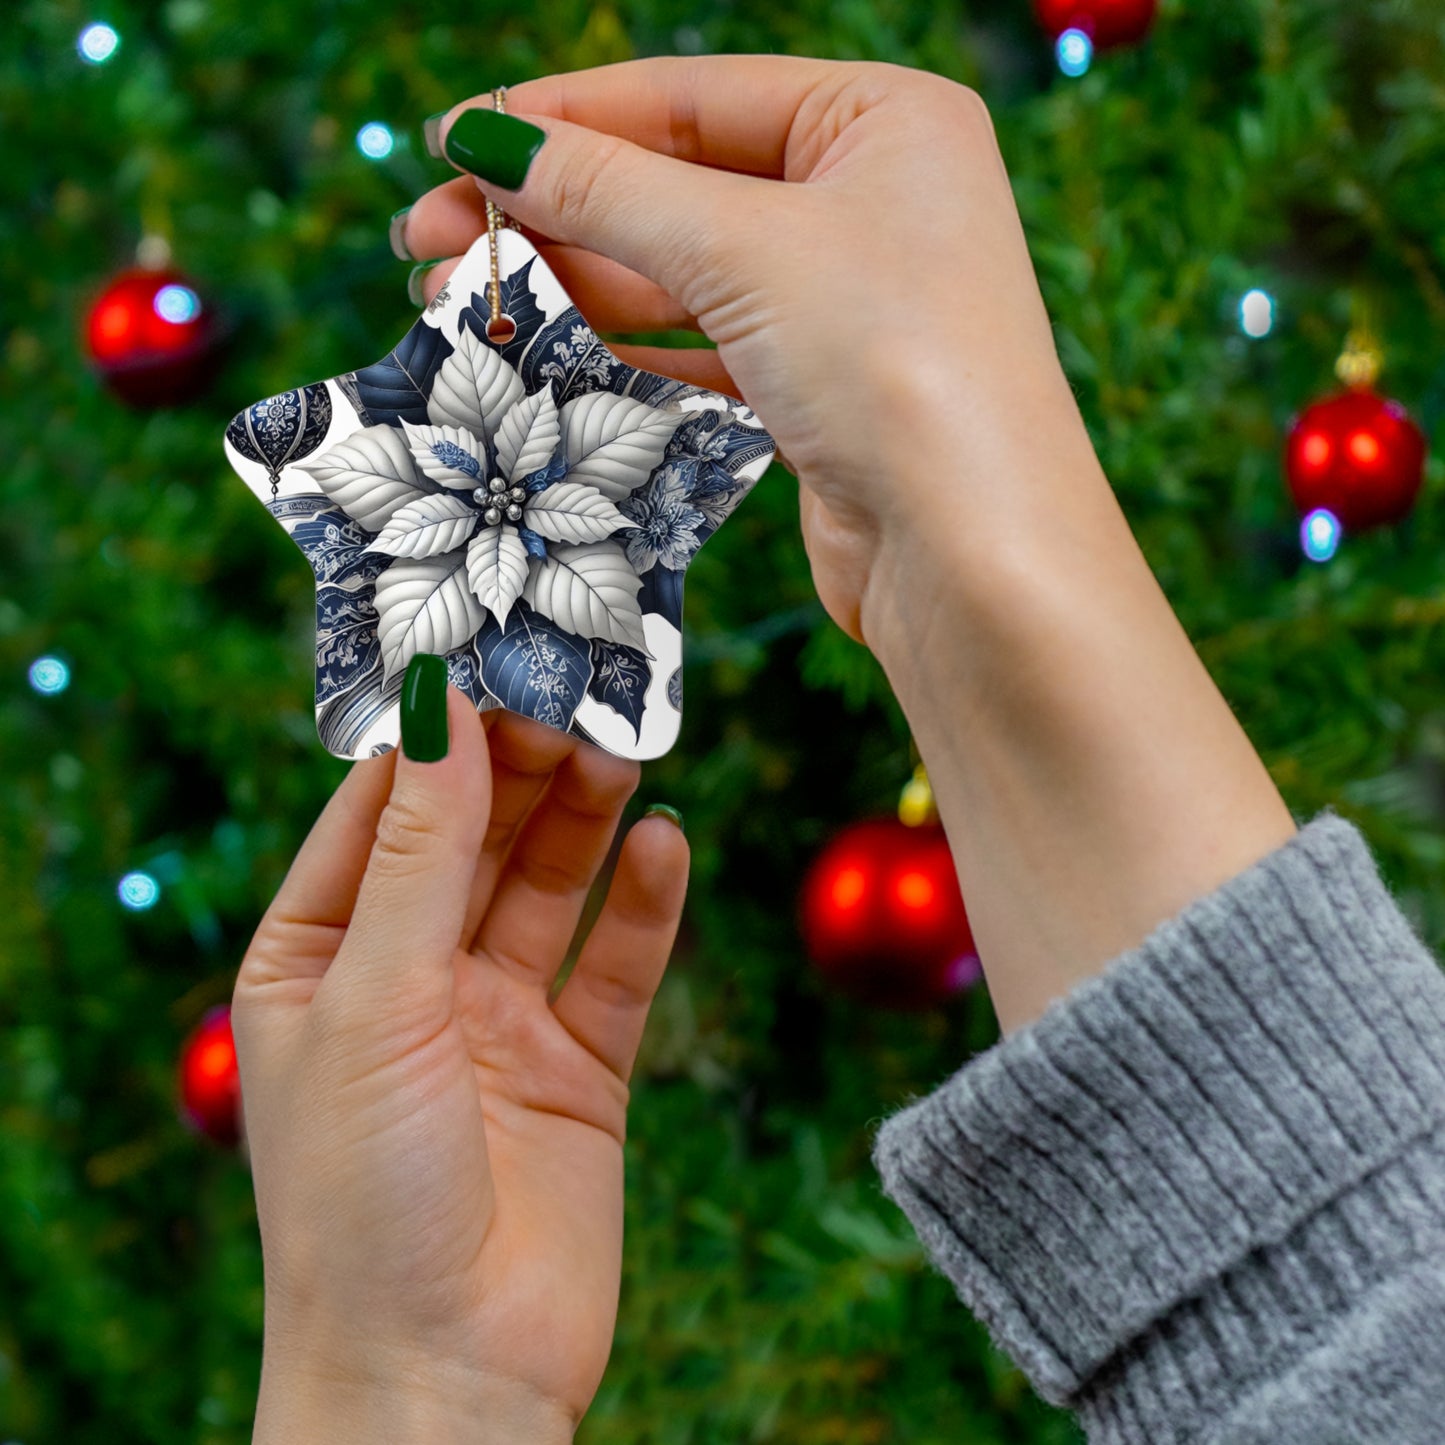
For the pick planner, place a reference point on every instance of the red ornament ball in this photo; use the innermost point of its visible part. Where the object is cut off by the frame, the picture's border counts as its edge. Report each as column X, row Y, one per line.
column 210, row 1082
column 1106, row 22
column 152, row 338
column 1359, row 456
column 883, row 919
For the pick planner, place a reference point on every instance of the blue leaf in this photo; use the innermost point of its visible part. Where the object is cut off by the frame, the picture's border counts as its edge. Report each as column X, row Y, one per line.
column 449, row 454
column 519, row 302
column 395, row 389
column 620, row 678
column 662, row 593
column 534, row 667
column 554, row 471
column 534, row 542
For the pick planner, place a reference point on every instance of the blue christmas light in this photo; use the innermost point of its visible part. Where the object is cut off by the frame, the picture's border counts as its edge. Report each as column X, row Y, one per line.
column 97, row 43
column 375, row 140
column 138, row 891
column 177, row 304
column 1320, row 534
column 1075, row 53
column 1256, row 313
column 49, row 675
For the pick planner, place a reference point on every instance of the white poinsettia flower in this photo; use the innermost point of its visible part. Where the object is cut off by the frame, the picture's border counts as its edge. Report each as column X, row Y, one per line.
column 500, row 496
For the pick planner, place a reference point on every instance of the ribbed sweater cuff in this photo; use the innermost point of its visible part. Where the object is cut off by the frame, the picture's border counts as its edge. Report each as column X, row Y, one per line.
column 1179, row 1156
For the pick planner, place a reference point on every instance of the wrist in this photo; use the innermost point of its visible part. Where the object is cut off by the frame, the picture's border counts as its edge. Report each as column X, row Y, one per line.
column 1091, row 778
column 401, row 1400
column 991, row 499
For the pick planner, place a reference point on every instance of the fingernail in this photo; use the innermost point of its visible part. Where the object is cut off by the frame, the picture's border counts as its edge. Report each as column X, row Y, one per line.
column 431, row 133
column 424, row 708
column 414, row 293
column 396, row 234
column 671, row 814
column 498, row 148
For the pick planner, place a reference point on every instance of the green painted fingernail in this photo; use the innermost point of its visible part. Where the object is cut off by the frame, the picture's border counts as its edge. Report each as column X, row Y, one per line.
column 396, row 234
column 414, row 293
column 431, row 133
column 669, row 813
column 498, row 148
column 424, row 708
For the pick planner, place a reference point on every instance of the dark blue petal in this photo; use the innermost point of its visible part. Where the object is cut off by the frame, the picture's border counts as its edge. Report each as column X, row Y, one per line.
column 662, row 593
column 449, row 454
column 554, row 471
column 620, row 678
column 395, row 389
column 534, row 542
column 519, row 302
column 534, row 667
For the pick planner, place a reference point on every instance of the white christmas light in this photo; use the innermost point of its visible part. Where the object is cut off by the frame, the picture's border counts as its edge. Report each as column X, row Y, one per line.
column 138, row 891
column 177, row 304
column 97, row 43
column 1075, row 52
column 375, row 140
column 1256, row 313
column 1320, row 535
column 49, row 675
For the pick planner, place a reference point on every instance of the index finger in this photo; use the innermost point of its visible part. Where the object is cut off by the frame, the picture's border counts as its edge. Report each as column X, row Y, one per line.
column 733, row 112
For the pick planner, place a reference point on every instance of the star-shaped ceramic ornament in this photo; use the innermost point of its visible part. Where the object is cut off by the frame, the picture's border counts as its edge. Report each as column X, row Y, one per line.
column 526, row 508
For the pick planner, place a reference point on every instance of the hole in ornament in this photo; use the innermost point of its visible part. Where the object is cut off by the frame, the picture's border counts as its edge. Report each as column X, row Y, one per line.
column 502, row 330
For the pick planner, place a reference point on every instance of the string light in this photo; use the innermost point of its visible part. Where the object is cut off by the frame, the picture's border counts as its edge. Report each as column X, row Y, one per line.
column 1075, row 52
column 1320, row 535
column 375, row 140
column 1256, row 313
column 177, row 304
column 49, row 675
column 138, row 891
column 97, row 43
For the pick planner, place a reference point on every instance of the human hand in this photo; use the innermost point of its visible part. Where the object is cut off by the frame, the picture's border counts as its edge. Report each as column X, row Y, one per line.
column 436, row 1147
column 879, row 311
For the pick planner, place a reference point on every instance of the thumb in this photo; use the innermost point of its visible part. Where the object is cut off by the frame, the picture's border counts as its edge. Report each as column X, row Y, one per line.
column 666, row 219
column 412, row 902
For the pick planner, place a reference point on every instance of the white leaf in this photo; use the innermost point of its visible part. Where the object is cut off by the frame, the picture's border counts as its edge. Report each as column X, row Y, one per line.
column 591, row 591
column 424, row 605
column 474, row 388
column 614, row 442
column 572, row 512
column 427, row 528
column 369, row 476
column 497, row 569
column 528, row 435
column 447, row 455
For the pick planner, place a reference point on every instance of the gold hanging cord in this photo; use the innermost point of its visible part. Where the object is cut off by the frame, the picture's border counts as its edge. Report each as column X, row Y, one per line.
column 500, row 329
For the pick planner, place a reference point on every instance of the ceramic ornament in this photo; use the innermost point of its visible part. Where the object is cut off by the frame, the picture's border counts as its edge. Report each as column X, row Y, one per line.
column 526, row 508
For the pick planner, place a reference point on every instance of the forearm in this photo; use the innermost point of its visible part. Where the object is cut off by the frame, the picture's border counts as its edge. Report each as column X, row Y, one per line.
column 1091, row 778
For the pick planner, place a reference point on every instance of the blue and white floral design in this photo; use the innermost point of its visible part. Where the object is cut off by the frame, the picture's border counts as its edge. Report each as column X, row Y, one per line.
column 499, row 497
column 665, row 531
column 527, row 509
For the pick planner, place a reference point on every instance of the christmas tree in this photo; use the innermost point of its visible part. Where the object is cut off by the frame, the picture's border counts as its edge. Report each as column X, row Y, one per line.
column 1212, row 212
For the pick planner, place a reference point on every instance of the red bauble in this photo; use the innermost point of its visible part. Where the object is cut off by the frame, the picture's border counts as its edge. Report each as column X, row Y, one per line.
column 152, row 338
column 1359, row 456
column 1106, row 22
column 210, row 1083
column 883, row 919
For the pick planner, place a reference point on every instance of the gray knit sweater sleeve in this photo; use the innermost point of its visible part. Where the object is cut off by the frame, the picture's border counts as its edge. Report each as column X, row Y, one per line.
column 1201, row 1201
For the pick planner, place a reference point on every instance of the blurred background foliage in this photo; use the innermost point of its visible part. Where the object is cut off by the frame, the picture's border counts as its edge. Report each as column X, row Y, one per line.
column 771, row 1292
